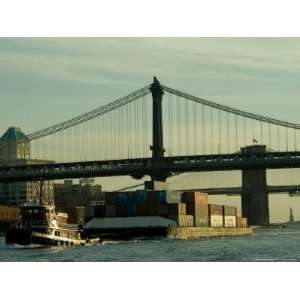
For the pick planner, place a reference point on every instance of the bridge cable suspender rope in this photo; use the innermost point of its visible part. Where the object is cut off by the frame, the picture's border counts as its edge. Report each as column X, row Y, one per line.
column 230, row 109
column 90, row 115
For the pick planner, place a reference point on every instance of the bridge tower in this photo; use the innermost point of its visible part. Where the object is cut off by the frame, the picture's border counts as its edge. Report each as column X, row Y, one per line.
column 255, row 198
column 157, row 146
column 157, row 123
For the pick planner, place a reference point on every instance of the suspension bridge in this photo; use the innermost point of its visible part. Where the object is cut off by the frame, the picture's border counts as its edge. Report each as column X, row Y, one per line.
column 160, row 131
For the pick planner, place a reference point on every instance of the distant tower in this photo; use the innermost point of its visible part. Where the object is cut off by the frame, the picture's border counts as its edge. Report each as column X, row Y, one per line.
column 291, row 219
column 14, row 145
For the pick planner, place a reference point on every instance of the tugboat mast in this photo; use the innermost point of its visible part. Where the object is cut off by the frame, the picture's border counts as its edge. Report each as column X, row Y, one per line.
column 41, row 191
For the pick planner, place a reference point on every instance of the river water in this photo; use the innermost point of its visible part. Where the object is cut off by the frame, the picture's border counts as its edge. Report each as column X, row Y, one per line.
column 266, row 244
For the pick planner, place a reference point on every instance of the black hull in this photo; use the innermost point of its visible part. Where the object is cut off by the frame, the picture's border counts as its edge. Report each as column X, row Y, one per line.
column 19, row 236
column 26, row 237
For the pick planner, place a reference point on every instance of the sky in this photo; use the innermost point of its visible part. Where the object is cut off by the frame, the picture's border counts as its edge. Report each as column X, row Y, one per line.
column 47, row 80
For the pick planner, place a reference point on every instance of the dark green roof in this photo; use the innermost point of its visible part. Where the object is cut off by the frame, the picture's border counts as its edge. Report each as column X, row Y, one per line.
column 13, row 134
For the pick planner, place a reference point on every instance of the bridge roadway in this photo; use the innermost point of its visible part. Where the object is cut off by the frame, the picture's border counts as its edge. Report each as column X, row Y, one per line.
column 146, row 166
column 237, row 191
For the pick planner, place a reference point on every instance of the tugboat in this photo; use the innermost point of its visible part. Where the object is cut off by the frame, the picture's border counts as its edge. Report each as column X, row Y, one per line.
column 40, row 224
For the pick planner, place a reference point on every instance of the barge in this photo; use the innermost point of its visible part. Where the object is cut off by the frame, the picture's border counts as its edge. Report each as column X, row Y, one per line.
column 149, row 226
column 40, row 224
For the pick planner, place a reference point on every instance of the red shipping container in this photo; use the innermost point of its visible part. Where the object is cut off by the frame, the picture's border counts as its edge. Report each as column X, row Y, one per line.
column 163, row 209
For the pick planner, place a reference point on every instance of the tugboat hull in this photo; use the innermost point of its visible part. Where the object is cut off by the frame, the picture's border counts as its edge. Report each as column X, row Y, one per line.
column 27, row 237
column 18, row 236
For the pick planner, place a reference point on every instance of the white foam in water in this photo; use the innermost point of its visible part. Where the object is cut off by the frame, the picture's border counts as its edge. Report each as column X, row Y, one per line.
column 256, row 247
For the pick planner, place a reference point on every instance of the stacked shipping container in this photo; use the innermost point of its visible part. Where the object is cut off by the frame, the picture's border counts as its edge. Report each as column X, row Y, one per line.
column 187, row 208
column 215, row 215
column 230, row 216
column 197, row 206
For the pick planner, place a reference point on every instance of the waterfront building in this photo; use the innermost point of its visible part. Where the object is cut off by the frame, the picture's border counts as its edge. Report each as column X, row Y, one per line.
column 15, row 150
column 68, row 194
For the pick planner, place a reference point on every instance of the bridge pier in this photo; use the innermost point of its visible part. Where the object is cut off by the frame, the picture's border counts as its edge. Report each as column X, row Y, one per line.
column 255, row 198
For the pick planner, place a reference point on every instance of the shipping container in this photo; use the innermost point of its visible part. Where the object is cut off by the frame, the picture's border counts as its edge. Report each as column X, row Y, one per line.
column 120, row 198
column 152, row 209
column 241, row 222
column 157, row 197
column 201, row 221
column 110, row 210
column 141, row 209
column 245, row 222
column 152, row 198
column 197, row 209
column 215, row 209
column 177, row 208
column 216, row 220
column 140, row 197
column 121, row 210
column 229, row 210
column 110, row 198
column 99, row 211
column 229, row 221
column 163, row 210
column 195, row 197
column 183, row 220
column 90, row 211
column 131, row 210
column 163, row 197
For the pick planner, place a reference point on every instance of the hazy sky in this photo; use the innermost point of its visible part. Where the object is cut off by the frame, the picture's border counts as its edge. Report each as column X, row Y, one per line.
column 54, row 79
column 45, row 81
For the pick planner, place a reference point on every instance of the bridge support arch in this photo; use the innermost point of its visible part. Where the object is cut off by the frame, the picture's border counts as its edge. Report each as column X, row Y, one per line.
column 255, row 198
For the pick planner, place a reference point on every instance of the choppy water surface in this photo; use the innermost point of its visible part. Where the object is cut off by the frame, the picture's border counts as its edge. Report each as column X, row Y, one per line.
column 264, row 245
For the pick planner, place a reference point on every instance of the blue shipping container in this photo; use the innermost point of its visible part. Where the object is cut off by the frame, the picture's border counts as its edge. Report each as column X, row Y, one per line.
column 140, row 197
column 131, row 209
column 120, row 198
column 161, row 196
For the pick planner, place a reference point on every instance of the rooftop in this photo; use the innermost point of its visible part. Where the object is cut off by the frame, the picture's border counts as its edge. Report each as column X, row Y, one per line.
column 13, row 134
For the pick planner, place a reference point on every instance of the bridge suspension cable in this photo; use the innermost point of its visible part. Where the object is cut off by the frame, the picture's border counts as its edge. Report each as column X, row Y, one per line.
column 231, row 110
column 90, row 115
column 123, row 130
